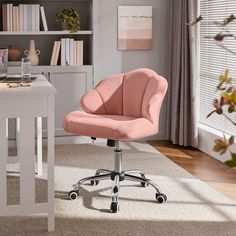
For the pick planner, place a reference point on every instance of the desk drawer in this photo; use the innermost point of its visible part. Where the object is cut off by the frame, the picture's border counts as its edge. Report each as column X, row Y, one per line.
column 23, row 105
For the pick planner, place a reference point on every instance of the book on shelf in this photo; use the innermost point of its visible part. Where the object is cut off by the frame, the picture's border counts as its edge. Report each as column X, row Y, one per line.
column 81, row 43
column 33, row 18
column 37, row 17
column 10, row 16
column 24, row 17
column 71, row 52
column 4, row 17
column 55, row 53
column 9, row 10
column 63, row 51
column 16, row 18
column 21, row 8
column 79, row 53
column 58, row 46
column 67, row 52
column 77, row 49
column 45, row 26
column 29, row 17
column 74, row 48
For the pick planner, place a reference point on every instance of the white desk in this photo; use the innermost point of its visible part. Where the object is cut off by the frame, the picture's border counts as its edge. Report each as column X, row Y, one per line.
column 26, row 104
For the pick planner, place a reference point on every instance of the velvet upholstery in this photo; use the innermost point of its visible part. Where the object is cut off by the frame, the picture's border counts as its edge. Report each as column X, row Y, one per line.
column 121, row 107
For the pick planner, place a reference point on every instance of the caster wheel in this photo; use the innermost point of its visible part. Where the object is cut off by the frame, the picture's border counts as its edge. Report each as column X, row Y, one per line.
column 144, row 184
column 94, row 182
column 73, row 194
column 161, row 197
column 115, row 207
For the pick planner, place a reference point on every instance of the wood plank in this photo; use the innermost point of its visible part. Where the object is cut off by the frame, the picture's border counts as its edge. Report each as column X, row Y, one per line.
column 209, row 170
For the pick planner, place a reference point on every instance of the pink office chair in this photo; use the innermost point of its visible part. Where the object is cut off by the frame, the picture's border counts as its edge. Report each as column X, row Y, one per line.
column 123, row 107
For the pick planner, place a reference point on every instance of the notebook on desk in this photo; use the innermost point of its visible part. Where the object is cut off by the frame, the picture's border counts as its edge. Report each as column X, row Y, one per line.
column 15, row 79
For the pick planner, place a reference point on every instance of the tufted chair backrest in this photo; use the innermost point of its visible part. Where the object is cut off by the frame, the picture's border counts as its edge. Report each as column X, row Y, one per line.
column 138, row 93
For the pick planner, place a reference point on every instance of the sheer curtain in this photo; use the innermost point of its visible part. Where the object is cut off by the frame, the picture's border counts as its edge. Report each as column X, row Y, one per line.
column 182, row 113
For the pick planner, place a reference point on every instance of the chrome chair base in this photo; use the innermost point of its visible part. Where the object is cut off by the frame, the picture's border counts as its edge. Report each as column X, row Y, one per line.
column 117, row 175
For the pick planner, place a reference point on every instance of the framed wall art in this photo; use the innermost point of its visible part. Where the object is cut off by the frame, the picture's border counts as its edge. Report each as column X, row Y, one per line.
column 134, row 27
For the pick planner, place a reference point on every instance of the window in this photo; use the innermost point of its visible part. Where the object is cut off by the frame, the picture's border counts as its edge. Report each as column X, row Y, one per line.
column 215, row 59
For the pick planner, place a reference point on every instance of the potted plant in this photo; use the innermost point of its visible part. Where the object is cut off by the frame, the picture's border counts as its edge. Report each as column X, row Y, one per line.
column 69, row 19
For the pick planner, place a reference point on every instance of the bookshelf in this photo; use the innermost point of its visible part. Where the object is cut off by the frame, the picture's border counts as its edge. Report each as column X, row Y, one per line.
column 45, row 39
column 71, row 82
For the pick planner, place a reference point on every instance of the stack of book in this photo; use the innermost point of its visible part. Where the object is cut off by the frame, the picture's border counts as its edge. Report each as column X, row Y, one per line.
column 71, row 52
column 25, row 17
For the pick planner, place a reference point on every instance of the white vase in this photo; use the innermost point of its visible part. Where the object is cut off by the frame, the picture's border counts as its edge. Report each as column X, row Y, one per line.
column 32, row 53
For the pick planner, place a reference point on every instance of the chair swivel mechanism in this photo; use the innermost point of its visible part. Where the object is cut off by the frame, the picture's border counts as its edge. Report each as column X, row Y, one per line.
column 123, row 107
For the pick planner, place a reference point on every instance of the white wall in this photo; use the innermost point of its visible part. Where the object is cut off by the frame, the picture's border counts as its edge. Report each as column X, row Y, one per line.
column 108, row 60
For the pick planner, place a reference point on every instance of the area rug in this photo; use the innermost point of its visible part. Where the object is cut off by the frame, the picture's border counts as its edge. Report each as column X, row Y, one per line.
column 193, row 208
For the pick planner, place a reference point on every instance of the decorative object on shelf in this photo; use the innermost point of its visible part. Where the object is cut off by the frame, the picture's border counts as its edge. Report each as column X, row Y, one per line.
column 134, row 27
column 69, row 19
column 32, row 53
column 13, row 53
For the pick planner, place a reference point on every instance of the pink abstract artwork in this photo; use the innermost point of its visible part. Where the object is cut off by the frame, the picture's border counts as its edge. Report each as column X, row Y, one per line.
column 134, row 27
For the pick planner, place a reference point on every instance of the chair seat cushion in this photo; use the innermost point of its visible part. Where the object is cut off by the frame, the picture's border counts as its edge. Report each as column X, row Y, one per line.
column 114, row 127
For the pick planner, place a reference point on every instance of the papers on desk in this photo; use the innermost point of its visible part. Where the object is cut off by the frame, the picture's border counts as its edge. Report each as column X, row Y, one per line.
column 15, row 79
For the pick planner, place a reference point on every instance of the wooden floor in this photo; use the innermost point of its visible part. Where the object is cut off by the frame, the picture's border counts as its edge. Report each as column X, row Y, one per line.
column 199, row 164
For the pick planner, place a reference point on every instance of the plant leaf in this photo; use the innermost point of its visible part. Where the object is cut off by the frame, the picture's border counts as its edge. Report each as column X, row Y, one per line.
column 231, row 163
column 233, row 155
column 231, row 140
column 231, row 109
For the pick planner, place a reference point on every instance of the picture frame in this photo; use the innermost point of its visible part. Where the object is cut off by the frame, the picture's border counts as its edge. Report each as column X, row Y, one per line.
column 134, row 27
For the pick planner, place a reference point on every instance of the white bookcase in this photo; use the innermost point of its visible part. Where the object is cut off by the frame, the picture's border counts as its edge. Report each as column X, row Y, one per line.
column 44, row 39
column 71, row 82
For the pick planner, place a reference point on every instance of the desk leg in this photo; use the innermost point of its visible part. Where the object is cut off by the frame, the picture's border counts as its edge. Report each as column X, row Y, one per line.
column 25, row 149
column 50, row 160
column 39, row 147
column 3, row 160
